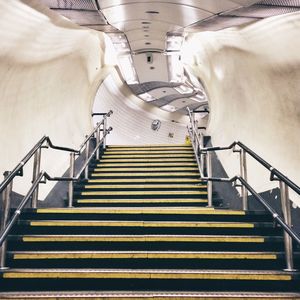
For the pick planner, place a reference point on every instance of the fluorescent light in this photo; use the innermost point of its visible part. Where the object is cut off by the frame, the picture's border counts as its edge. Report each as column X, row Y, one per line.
column 147, row 97
column 169, row 108
column 184, row 89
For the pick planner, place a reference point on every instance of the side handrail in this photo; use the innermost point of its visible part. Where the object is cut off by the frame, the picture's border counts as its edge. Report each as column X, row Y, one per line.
column 268, row 166
column 46, row 142
column 42, row 176
column 203, row 156
column 267, row 206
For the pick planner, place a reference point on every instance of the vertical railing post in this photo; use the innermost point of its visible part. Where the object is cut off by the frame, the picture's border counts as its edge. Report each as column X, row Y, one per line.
column 243, row 171
column 104, row 132
column 209, row 174
column 87, row 153
column 36, row 172
column 71, row 183
column 286, row 210
column 98, row 141
column 6, row 202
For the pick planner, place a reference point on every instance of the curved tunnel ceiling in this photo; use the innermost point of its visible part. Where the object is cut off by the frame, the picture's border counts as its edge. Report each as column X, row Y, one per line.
column 148, row 36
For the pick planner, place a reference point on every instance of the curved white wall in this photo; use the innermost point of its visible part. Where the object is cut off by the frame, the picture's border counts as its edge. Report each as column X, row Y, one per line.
column 252, row 76
column 50, row 70
column 132, row 118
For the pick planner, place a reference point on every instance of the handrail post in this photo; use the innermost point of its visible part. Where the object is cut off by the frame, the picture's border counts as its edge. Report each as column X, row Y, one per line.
column 243, row 170
column 36, row 172
column 6, row 202
column 87, row 152
column 98, row 141
column 286, row 210
column 71, row 184
column 209, row 174
column 104, row 132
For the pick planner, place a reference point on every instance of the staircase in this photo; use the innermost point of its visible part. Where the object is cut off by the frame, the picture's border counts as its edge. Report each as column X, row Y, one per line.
column 141, row 229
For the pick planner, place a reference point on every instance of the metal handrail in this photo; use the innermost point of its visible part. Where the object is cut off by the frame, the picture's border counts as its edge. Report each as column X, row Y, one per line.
column 46, row 140
column 274, row 172
column 285, row 183
column 42, row 176
column 269, row 208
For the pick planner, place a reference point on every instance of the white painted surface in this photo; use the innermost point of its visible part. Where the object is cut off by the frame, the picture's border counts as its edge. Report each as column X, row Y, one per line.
column 49, row 69
column 252, row 76
column 131, row 119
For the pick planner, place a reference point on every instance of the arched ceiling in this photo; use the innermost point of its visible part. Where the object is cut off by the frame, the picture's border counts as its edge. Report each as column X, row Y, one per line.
column 148, row 34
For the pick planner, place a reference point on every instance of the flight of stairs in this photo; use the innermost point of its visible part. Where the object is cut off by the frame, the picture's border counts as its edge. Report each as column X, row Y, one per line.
column 141, row 229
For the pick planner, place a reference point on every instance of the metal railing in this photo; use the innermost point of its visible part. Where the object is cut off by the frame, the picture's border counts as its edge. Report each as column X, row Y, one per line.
column 41, row 177
column 204, row 161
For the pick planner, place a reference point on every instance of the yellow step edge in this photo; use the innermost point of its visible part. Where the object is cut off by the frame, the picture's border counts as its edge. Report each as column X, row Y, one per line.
column 149, row 152
column 142, row 224
column 149, row 145
column 145, row 174
column 143, row 238
column 148, row 155
column 143, row 186
column 143, row 180
column 149, row 149
column 148, row 274
column 104, row 160
column 166, row 200
column 138, row 210
column 139, row 169
column 179, row 192
column 166, row 164
column 144, row 255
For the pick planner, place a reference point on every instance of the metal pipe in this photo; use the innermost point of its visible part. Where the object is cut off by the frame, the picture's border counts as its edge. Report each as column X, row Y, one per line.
column 87, row 153
column 36, row 172
column 243, row 172
column 97, row 142
column 286, row 210
column 6, row 202
column 71, row 184
column 104, row 132
column 209, row 183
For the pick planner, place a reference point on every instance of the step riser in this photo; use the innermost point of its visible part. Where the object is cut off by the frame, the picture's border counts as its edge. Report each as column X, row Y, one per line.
column 251, row 264
column 146, row 284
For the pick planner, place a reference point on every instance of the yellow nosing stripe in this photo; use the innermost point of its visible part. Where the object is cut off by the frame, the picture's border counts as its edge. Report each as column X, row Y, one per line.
column 166, row 164
column 143, row 224
column 143, row 186
column 146, row 169
column 143, row 255
column 154, row 174
column 148, row 155
column 148, row 148
column 166, row 200
column 138, row 210
column 115, row 152
column 148, row 274
column 103, row 193
column 148, row 145
column 144, row 238
column 146, row 160
column 151, row 180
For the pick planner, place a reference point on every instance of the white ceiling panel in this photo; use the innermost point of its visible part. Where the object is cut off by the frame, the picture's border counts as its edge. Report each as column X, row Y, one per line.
column 174, row 13
column 147, row 44
column 213, row 6
column 155, row 26
column 162, row 92
column 158, row 70
column 141, row 35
